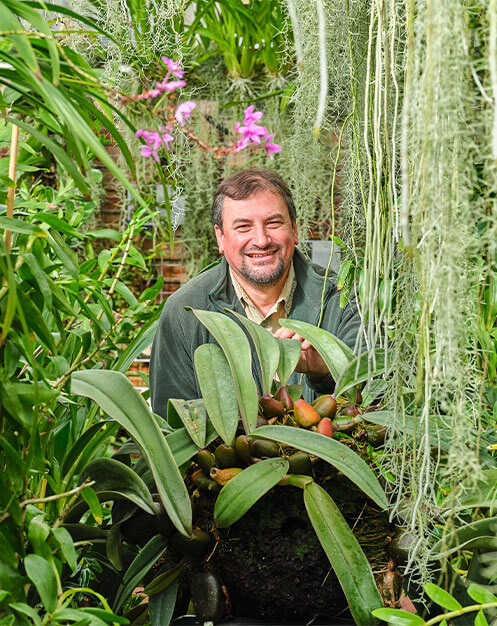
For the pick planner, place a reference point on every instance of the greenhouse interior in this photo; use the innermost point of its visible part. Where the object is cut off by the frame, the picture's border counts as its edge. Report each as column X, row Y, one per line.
column 308, row 190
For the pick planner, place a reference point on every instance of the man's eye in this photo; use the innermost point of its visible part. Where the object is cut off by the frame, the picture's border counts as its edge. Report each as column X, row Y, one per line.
column 275, row 224
column 243, row 228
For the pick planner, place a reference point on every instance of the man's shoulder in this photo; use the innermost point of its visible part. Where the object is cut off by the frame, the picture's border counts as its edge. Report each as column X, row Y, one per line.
column 196, row 291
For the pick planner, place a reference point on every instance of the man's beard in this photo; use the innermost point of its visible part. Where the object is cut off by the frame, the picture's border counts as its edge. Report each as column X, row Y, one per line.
column 263, row 279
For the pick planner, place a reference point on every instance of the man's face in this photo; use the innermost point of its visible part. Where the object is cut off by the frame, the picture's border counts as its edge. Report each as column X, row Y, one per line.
column 258, row 238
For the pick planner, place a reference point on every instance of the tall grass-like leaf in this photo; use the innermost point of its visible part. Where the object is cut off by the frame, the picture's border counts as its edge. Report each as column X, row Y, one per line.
column 335, row 453
column 115, row 394
column 236, row 347
column 360, row 370
column 43, row 576
column 218, row 390
column 290, row 350
column 243, row 491
column 266, row 346
column 345, row 554
column 21, row 41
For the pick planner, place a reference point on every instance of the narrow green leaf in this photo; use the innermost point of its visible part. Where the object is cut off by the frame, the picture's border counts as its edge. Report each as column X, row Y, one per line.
column 194, row 418
column 116, row 481
column 162, row 581
column 243, row 491
column 218, row 390
column 397, row 617
column 161, row 605
column 336, row 354
column 19, row 226
column 25, row 609
column 66, row 255
column 115, row 394
column 360, row 370
column 21, row 42
column 40, row 277
column 43, row 577
column 458, row 539
column 37, row 322
column 336, row 454
column 56, row 149
column 66, row 544
column 91, row 499
column 290, row 350
column 236, row 347
column 60, row 225
column 142, row 340
column 140, row 565
column 482, row 493
column 124, row 291
column 345, row 554
column 480, row 619
column 480, row 594
column 266, row 346
column 113, row 547
column 441, row 597
column 102, row 614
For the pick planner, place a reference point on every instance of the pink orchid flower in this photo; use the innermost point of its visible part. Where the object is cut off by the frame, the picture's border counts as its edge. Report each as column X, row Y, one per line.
column 183, row 111
column 250, row 116
column 174, row 67
column 253, row 132
column 271, row 147
column 170, row 86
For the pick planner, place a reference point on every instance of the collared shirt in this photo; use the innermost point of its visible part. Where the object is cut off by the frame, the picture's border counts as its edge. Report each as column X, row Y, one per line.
column 281, row 308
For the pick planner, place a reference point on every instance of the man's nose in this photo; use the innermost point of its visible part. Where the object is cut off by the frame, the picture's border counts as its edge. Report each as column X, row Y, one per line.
column 261, row 237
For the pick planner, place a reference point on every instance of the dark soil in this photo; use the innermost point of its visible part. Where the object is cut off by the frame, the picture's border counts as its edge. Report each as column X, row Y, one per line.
column 271, row 562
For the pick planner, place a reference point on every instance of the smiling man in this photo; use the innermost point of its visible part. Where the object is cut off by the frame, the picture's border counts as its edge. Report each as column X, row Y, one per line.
column 262, row 275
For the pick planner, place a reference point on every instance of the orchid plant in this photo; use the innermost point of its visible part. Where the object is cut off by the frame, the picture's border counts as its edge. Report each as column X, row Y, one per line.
column 251, row 133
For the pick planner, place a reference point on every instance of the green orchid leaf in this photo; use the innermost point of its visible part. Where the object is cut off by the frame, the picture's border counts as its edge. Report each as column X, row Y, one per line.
column 218, row 390
column 397, row 617
column 266, row 346
column 43, row 576
column 330, row 450
column 113, row 546
column 236, row 347
column 64, row 539
column 21, row 42
column 344, row 553
column 464, row 538
column 116, row 481
column 115, row 394
column 161, row 605
column 290, row 350
column 181, row 444
column 480, row 594
column 36, row 321
column 482, row 493
column 440, row 436
column 162, row 581
column 441, row 597
column 91, row 499
column 25, row 609
column 243, row 491
column 193, row 416
column 359, row 370
column 140, row 565
column 103, row 615
column 336, row 354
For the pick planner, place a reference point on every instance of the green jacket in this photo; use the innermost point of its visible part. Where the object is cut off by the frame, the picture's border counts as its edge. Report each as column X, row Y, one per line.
column 179, row 333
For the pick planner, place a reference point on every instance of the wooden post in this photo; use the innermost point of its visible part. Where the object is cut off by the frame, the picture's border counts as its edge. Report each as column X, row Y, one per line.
column 12, row 176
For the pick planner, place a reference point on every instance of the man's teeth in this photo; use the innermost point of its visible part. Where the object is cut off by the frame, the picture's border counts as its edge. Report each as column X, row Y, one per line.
column 262, row 254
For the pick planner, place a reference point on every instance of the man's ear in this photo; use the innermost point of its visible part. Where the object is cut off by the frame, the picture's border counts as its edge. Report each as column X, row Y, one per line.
column 219, row 237
column 295, row 233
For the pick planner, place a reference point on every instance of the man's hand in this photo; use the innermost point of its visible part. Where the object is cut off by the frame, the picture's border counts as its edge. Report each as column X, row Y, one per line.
column 310, row 362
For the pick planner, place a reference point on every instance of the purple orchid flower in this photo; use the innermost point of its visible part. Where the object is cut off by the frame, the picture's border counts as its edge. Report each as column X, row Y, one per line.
column 183, row 111
column 250, row 116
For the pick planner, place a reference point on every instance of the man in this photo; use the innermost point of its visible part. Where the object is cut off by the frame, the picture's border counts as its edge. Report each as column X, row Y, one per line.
column 262, row 276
